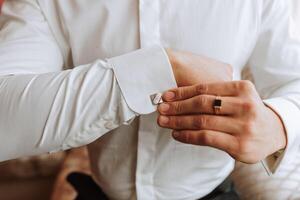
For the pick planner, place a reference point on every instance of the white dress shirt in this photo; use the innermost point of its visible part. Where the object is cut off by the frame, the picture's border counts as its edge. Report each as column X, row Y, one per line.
column 76, row 72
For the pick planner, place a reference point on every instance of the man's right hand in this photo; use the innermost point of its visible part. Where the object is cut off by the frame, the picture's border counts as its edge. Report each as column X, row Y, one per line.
column 191, row 69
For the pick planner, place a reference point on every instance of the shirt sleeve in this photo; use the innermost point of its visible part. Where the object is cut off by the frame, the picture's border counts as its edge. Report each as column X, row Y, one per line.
column 275, row 65
column 44, row 108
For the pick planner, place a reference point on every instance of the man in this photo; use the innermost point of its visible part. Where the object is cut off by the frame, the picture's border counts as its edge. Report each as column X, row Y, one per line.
column 112, row 102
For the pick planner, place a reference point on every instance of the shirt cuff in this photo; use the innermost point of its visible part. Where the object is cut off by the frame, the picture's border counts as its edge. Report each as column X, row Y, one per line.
column 141, row 74
column 290, row 115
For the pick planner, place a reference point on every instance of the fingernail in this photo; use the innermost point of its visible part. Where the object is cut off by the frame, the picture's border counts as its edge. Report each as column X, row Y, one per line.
column 164, row 107
column 176, row 134
column 163, row 120
column 169, row 95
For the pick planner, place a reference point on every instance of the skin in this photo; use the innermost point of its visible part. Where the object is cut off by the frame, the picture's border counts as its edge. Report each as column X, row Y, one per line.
column 191, row 69
column 245, row 127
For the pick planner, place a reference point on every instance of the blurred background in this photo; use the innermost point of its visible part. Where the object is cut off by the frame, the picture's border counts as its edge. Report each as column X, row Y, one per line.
column 44, row 177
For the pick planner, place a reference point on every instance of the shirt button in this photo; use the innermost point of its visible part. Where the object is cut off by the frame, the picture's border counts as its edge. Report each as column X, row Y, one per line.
column 109, row 125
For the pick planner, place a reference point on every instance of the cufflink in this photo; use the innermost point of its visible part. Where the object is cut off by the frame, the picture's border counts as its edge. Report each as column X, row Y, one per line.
column 156, row 98
column 278, row 153
column 266, row 168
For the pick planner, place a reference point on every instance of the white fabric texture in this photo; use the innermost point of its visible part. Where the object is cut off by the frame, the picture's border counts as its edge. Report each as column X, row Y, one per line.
column 45, row 107
column 252, row 182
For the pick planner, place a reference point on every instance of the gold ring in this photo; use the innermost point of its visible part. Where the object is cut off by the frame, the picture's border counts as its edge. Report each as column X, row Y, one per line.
column 217, row 105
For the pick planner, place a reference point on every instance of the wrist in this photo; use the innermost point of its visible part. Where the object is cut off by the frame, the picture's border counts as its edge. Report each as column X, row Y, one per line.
column 172, row 57
column 174, row 62
column 281, row 139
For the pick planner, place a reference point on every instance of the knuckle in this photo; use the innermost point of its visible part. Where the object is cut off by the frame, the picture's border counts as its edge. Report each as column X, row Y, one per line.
column 201, row 89
column 197, row 122
column 177, row 122
column 248, row 106
column 236, row 85
column 177, row 107
column 201, row 122
column 187, row 137
column 179, row 94
column 206, row 138
column 200, row 101
column 245, row 86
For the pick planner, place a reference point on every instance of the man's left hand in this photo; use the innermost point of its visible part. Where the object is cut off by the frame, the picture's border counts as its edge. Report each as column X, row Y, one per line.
column 244, row 126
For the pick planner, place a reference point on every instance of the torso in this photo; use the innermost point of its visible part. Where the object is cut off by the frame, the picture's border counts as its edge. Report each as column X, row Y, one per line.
column 142, row 160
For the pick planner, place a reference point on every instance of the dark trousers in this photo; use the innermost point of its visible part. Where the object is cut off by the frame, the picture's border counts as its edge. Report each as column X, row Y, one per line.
column 87, row 189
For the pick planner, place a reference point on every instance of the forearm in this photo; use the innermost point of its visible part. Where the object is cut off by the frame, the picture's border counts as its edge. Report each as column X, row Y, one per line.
column 55, row 111
column 60, row 110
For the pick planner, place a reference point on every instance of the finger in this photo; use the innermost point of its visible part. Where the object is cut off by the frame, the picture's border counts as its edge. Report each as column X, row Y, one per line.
column 180, row 93
column 232, row 88
column 200, row 104
column 201, row 122
column 219, row 140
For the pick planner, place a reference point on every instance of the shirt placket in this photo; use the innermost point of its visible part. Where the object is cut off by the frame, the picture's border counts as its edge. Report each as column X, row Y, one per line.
column 149, row 13
column 149, row 36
